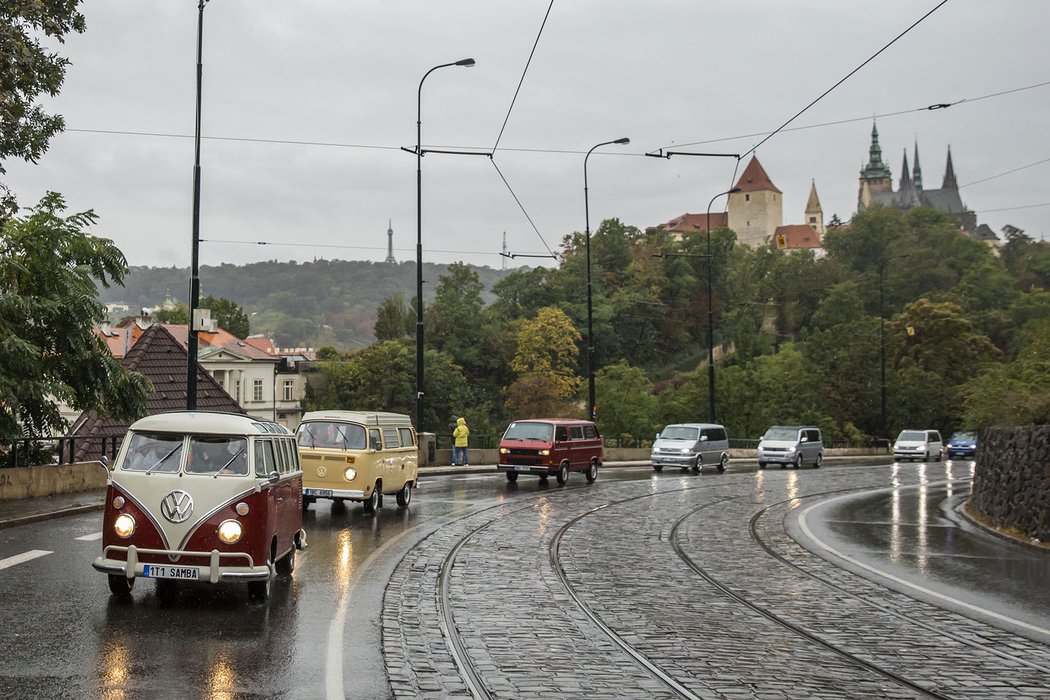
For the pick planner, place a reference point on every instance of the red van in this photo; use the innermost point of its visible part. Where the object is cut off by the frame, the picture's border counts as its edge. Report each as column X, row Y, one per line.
column 197, row 496
column 551, row 447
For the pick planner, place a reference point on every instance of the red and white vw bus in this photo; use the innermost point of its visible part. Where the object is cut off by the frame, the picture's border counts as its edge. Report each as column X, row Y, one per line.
column 196, row 496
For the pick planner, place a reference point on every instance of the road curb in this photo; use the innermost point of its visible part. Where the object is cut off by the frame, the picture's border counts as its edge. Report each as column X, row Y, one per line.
column 51, row 515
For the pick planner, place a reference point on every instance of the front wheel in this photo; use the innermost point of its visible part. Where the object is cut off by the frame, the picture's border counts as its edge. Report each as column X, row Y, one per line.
column 259, row 591
column 761, row 465
column 658, row 468
column 404, row 496
column 373, row 501
column 120, row 585
column 722, row 464
column 798, row 462
column 563, row 474
column 592, row 472
column 820, row 460
column 286, row 564
column 512, row 477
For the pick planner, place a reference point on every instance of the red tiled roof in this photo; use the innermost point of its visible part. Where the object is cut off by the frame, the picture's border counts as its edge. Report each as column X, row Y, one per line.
column 261, row 343
column 119, row 339
column 695, row 222
column 755, row 179
column 798, row 236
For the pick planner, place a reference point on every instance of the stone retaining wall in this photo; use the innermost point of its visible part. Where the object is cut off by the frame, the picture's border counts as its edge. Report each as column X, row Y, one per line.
column 1011, row 485
column 30, row 482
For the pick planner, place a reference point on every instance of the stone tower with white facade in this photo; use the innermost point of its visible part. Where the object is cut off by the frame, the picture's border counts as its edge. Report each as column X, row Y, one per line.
column 757, row 209
column 814, row 212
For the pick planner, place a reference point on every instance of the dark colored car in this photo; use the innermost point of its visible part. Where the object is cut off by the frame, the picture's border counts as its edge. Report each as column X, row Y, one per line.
column 962, row 443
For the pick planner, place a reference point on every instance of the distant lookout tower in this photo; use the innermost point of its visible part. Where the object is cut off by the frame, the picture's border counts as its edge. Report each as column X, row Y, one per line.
column 390, row 242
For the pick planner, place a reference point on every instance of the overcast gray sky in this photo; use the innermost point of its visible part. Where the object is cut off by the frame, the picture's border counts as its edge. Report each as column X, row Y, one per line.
column 343, row 75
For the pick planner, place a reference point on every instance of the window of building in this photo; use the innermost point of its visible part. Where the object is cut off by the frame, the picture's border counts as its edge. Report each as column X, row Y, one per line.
column 257, row 387
column 289, row 390
column 812, row 219
column 747, row 198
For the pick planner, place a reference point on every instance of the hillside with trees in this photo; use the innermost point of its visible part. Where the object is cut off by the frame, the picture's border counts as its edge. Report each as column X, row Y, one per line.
column 965, row 332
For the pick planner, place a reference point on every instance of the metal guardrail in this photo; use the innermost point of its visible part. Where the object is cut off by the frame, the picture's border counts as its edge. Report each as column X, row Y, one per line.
column 32, row 452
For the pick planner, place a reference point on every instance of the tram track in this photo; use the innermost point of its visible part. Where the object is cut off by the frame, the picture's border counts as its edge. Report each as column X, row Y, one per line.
column 475, row 683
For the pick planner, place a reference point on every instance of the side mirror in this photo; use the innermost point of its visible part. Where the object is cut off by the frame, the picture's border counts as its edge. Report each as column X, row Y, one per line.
column 104, row 463
column 804, row 439
column 657, row 436
column 274, row 477
column 703, row 438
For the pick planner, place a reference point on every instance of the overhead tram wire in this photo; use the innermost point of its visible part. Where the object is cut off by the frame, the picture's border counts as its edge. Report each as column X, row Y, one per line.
column 939, row 5
column 1008, row 172
column 506, row 119
column 338, row 245
column 558, row 151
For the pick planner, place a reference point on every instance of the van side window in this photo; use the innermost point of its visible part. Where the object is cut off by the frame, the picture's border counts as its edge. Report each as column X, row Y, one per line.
column 264, row 459
column 374, row 441
column 718, row 434
column 813, row 435
column 577, row 432
column 589, row 432
column 390, row 437
column 293, row 456
column 407, row 439
column 561, row 434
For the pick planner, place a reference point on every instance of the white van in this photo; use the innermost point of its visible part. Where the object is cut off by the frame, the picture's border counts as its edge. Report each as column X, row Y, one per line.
column 691, row 446
column 918, row 444
column 791, row 445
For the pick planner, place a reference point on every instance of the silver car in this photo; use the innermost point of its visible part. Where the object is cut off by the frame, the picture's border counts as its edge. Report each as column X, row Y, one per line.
column 691, row 446
column 794, row 446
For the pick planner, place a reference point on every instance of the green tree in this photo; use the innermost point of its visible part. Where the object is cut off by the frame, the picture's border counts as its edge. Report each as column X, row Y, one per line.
column 545, row 362
column 179, row 314
column 626, row 404
column 394, row 319
column 29, row 71
column 228, row 314
column 49, row 352
column 1016, row 393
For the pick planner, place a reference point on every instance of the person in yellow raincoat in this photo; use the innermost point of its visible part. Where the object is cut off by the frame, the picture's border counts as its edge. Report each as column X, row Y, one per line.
column 459, row 449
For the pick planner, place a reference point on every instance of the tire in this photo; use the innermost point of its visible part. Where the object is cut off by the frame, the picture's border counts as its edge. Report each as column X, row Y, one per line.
column 512, row 477
column 404, row 496
column 926, row 457
column 658, row 468
column 286, row 564
column 120, row 585
column 372, row 504
column 698, row 465
column 592, row 472
column 259, row 591
column 938, row 457
column 722, row 464
column 798, row 462
column 563, row 474
column 761, row 465
column 820, row 460
column 307, row 500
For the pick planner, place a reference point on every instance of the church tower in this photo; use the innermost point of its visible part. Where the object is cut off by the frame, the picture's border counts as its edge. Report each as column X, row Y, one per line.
column 876, row 174
column 814, row 212
column 757, row 209
column 390, row 242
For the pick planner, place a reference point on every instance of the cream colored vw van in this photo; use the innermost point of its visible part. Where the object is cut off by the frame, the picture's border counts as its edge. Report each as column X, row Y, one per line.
column 358, row 456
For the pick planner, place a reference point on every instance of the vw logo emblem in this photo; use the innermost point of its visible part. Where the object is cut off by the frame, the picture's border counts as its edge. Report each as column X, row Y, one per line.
column 177, row 506
column 321, row 471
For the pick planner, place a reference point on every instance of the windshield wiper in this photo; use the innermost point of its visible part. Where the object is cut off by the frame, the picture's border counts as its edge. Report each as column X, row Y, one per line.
column 223, row 467
column 346, row 440
column 165, row 457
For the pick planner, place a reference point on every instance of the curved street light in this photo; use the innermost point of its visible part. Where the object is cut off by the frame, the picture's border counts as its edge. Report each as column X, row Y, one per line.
column 467, row 63
column 591, row 408
column 711, row 316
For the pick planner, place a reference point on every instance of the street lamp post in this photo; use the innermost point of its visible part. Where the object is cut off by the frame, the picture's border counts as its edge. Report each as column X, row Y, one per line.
column 591, row 406
column 711, row 315
column 466, row 62
column 195, row 287
column 882, row 338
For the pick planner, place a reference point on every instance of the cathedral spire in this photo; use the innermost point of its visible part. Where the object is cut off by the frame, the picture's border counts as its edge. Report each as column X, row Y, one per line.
column 905, row 173
column 917, row 173
column 949, row 174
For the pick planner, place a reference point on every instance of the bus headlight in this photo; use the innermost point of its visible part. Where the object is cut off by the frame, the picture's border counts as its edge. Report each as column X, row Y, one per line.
column 230, row 531
column 124, row 526
column 504, row 451
column 350, row 474
column 544, row 453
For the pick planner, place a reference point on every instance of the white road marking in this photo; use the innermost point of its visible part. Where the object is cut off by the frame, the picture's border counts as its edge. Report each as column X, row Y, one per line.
column 90, row 538
column 474, row 478
column 334, row 658
column 22, row 558
column 908, row 584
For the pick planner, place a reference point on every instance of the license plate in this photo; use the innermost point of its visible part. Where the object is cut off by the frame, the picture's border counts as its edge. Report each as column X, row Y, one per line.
column 189, row 573
column 323, row 493
column 521, row 468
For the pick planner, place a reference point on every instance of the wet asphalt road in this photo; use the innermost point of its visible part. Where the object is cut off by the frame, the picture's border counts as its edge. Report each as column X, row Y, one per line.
column 319, row 635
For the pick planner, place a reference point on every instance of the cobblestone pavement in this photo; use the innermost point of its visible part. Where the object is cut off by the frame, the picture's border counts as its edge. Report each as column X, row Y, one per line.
column 677, row 587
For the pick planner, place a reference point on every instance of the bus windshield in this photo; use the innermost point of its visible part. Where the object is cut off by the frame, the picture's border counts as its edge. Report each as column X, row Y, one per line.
column 526, row 430
column 679, row 432
column 329, row 435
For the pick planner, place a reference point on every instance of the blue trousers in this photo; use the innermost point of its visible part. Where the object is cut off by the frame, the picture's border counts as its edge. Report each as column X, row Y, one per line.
column 459, row 455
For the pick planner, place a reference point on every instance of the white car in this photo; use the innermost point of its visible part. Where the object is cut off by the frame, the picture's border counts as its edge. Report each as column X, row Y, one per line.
column 918, row 444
